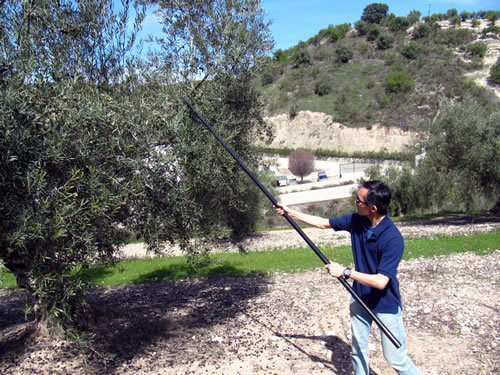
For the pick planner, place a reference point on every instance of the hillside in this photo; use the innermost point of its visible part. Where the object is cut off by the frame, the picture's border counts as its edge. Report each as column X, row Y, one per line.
column 391, row 81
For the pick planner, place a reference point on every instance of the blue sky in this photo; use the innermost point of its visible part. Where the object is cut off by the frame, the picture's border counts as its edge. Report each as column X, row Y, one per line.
column 296, row 20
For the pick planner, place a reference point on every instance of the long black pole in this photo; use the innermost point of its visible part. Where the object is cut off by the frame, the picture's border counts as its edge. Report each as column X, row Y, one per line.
column 311, row 244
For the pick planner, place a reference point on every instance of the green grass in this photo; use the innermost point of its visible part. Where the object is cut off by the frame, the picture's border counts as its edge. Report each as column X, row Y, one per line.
column 265, row 262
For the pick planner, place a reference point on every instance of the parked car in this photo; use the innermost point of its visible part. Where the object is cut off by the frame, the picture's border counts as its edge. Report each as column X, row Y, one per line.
column 281, row 180
column 322, row 175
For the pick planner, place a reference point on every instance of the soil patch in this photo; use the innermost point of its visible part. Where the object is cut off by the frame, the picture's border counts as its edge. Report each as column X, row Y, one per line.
column 270, row 324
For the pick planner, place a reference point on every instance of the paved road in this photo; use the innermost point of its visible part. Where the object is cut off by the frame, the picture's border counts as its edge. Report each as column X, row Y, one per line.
column 317, row 195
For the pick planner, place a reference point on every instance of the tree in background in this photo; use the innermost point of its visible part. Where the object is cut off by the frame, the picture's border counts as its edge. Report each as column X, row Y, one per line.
column 375, row 13
column 301, row 163
column 460, row 169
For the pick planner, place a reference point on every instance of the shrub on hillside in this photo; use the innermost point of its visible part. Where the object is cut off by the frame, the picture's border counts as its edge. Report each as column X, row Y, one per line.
column 455, row 21
column 422, row 30
column 399, row 82
column 454, row 37
column 344, row 54
column 385, row 41
column 361, row 27
column 267, row 78
column 494, row 77
column 477, row 49
column 411, row 50
column 372, row 32
column 302, row 58
column 398, row 24
column 338, row 32
column 413, row 16
column 322, row 88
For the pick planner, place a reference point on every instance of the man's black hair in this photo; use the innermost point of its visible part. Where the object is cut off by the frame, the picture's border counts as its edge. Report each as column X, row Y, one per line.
column 379, row 195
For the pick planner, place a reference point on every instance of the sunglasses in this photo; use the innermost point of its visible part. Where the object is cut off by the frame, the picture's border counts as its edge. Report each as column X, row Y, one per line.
column 359, row 201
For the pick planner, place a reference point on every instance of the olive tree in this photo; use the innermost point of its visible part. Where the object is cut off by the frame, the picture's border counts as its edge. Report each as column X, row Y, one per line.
column 95, row 142
column 460, row 164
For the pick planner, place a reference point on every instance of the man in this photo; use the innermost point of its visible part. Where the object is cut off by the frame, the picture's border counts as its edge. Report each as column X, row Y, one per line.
column 377, row 247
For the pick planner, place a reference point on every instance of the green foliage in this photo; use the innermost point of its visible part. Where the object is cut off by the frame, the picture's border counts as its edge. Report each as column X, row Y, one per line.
column 463, row 149
column 411, row 50
column 375, row 13
column 477, row 49
column 322, row 87
column 372, row 32
column 267, row 78
column 452, row 13
column 302, row 58
column 413, row 17
column 361, row 27
column 95, row 141
column 494, row 77
column 399, row 82
column 399, row 24
column 344, row 54
column 455, row 21
column 385, row 41
column 422, row 30
column 454, row 37
column 335, row 33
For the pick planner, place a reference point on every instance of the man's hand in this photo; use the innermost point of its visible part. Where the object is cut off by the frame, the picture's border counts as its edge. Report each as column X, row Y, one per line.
column 335, row 269
column 281, row 209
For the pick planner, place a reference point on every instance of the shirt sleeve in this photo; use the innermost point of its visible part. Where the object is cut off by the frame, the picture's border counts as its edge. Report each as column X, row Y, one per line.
column 341, row 223
column 392, row 252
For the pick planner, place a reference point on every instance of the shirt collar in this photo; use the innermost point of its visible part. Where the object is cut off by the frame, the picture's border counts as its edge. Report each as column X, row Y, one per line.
column 377, row 231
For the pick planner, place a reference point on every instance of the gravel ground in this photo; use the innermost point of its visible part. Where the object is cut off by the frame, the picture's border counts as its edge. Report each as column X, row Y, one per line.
column 274, row 324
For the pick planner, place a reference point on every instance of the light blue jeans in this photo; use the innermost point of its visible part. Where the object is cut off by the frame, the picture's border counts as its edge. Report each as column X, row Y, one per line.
column 361, row 323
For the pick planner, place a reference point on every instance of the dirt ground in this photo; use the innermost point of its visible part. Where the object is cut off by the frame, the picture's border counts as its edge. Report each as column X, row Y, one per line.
column 270, row 324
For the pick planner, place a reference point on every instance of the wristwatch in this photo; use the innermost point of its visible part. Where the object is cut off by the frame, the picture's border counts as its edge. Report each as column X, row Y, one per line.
column 347, row 273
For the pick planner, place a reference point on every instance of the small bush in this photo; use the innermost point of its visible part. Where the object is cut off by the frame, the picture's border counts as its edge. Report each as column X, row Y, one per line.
column 399, row 24
column 302, row 58
column 399, row 82
column 477, row 49
column 385, row 41
column 322, row 88
column 422, row 30
column 292, row 113
column 344, row 54
column 372, row 32
column 494, row 77
column 267, row 78
column 361, row 27
column 454, row 37
column 338, row 32
column 455, row 21
column 411, row 50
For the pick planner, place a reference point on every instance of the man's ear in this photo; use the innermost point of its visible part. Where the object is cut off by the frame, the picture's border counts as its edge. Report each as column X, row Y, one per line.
column 373, row 208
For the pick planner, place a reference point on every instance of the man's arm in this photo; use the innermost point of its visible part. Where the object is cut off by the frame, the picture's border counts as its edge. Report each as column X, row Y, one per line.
column 314, row 221
column 377, row 281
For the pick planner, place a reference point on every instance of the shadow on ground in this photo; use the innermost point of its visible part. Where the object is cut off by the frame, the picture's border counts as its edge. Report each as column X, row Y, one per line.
column 139, row 320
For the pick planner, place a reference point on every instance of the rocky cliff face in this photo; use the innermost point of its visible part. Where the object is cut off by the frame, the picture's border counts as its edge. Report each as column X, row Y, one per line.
column 314, row 130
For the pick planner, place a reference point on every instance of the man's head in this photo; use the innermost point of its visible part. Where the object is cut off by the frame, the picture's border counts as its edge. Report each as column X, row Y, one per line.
column 373, row 198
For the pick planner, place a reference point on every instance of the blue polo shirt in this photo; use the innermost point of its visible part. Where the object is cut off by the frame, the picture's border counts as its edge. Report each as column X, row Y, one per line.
column 375, row 250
